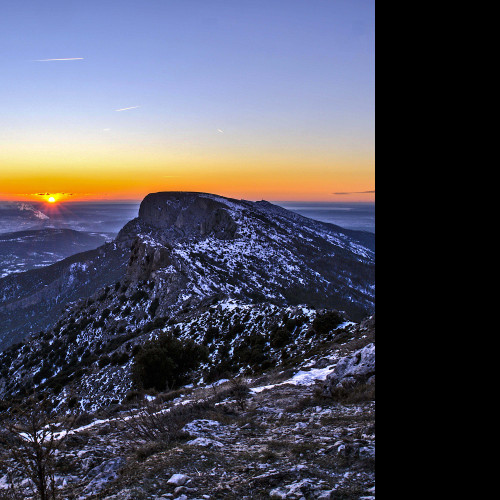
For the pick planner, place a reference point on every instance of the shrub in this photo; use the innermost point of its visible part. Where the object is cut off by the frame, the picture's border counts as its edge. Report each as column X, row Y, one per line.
column 104, row 361
column 323, row 324
column 251, row 351
column 139, row 296
column 352, row 395
column 281, row 338
column 72, row 402
column 154, row 427
column 211, row 334
column 153, row 307
column 166, row 362
column 119, row 358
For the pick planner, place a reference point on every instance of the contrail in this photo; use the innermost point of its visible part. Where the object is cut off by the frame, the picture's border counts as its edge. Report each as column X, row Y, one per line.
column 126, row 109
column 358, row 192
column 67, row 59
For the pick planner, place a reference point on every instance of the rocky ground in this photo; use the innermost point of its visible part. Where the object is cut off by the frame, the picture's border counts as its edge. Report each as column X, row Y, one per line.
column 287, row 434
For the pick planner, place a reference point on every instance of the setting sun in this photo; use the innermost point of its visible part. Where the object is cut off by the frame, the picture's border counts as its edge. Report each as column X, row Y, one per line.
column 51, row 200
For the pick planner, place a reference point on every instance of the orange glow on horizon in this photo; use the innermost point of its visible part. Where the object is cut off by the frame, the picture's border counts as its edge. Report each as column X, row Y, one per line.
column 72, row 174
column 193, row 107
column 237, row 192
column 273, row 181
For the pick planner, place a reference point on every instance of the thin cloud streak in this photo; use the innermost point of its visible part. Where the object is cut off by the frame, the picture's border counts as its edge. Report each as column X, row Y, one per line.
column 66, row 59
column 357, row 192
column 126, row 109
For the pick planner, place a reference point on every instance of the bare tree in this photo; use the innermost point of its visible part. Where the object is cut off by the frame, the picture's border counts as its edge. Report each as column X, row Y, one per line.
column 32, row 439
column 240, row 392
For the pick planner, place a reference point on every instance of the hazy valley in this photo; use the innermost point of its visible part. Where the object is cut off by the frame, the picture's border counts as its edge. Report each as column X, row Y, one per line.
column 26, row 250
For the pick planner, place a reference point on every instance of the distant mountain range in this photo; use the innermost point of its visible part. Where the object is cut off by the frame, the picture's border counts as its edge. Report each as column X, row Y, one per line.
column 16, row 216
column 26, row 250
column 100, row 218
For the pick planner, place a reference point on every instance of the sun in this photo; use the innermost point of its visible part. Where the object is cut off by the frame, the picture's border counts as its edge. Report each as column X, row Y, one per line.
column 51, row 200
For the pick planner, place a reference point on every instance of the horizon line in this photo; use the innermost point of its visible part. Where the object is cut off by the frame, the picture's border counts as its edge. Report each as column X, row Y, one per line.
column 140, row 200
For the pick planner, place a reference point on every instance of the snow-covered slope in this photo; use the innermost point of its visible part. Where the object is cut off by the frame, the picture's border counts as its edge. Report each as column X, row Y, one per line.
column 251, row 282
column 195, row 245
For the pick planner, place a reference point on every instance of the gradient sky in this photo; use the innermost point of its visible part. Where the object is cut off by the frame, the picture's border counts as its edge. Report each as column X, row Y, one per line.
column 252, row 99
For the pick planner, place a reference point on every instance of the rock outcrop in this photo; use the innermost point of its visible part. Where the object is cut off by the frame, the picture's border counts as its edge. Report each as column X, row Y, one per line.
column 188, row 215
column 352, row 370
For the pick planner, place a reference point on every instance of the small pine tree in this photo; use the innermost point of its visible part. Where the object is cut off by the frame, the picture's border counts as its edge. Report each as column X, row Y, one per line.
column 166, row 362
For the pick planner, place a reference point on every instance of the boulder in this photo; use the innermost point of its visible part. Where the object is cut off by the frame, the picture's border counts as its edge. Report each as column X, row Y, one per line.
column 103, row 474
column 358, row 368
column 178, row 480
column 202, row 428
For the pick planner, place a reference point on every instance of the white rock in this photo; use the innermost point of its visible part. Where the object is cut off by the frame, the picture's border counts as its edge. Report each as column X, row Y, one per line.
column 178, row 480
column 205, row 443
column 200, row 428
column 358, row 367
column 278, row 493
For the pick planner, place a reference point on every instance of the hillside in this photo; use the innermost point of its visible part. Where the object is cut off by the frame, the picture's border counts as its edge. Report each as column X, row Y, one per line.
column 33, row 300
column 287, row 433
column 222, row 340
column 188, row 247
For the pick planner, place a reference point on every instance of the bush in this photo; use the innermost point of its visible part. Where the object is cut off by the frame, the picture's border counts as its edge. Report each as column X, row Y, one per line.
column 139, row 296
column 280, row 338
column 119, row 358
column 251, row 351
column 104, row 361
column 153, row 307
column 325, row 323
column 72, row 402
column 166, row 363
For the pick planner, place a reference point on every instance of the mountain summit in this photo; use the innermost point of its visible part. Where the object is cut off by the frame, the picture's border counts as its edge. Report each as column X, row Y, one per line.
column 198, row 245
column 251, row 284
column 187, row 248
column 189, row 214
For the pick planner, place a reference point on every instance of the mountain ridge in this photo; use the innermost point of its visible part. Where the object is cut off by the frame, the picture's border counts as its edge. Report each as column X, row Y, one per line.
column 203, row 244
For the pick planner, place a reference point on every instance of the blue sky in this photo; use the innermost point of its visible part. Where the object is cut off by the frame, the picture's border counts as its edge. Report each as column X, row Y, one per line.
column 206, row 78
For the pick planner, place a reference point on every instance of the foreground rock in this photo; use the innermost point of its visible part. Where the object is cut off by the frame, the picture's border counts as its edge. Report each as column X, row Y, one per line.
column 356, row 369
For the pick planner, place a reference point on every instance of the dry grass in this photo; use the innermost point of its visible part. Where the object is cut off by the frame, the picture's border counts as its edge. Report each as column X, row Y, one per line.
column 358, row 394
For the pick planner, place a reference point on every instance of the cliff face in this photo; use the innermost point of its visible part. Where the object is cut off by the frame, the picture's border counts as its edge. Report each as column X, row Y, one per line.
column 188, row 214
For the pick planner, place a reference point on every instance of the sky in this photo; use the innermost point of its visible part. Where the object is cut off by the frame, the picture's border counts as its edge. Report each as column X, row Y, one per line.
column 251, row 99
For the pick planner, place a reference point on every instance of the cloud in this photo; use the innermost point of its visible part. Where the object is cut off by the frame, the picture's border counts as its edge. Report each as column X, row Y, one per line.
column 51, row 194
column 357, row 192
column 66, row 59
column 126, row 109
